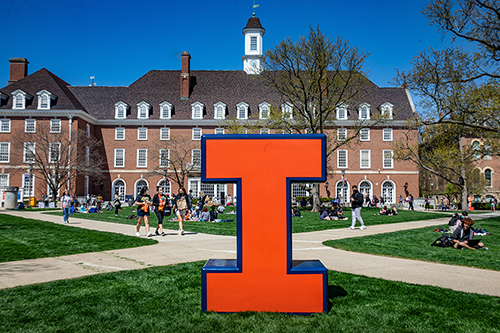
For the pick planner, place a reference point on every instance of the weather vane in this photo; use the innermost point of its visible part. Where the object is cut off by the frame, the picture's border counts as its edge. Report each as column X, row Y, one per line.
column 254, row 6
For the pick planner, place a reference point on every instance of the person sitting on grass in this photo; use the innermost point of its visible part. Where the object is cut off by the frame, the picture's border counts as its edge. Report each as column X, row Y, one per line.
column 195, row 216
column 204, row 215
column 454, row 223
column 384, row 211
column 324, row 215
column 296, row 212
column 83, row 209
column 462, row 237
column 109, row 206
column 213, row 213
column 221, row 208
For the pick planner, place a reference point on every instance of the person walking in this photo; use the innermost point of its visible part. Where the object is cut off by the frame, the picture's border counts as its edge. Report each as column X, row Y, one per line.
column 410, row 202
column 182, row 205
column 356, row 204
column 117, row 203
column 160, row 203
column 143, row 201
column 66, row 201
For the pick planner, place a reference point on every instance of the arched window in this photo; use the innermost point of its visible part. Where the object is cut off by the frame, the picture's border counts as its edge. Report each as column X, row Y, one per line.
column 487, row 177
column 165, row 185
column 365, row 187
column 119, row 188
column 388, row 192
column 140, row 184
column 475, row 149
column 342, row 191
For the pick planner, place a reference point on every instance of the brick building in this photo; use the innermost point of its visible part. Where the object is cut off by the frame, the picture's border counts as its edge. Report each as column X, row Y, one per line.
column 135, row 120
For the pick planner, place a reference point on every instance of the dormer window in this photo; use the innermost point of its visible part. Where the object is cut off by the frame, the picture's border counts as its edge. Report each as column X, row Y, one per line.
column 20, row 97
column 242, row 110
column 165, row 110
column 287, row 109
column 342, row 112
column 44, row 99
column 386, row 110
column 143, row 110
column 121, row 110
column 264, row 110
column 364, row 111
column 3, row 99
column 197, row 110
column 219, row 110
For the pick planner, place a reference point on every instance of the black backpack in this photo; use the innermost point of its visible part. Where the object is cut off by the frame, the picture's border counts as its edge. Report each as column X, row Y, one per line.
column 444, row 241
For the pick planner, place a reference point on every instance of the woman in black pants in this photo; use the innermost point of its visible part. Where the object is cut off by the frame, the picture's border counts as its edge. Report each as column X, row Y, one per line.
column 117, row 203
column 160, row 204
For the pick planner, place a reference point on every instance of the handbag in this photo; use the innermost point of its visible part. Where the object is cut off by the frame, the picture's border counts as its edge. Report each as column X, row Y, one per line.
column 182, row 204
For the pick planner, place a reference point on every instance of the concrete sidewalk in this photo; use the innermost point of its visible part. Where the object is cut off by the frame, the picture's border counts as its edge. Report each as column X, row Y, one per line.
column 173, row 249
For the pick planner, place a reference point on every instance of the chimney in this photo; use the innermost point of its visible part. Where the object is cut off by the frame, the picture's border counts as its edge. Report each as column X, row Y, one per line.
column 185, row 78
column 18, row 69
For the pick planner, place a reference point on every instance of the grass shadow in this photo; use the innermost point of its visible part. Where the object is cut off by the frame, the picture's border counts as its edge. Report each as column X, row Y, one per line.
column 335, row 292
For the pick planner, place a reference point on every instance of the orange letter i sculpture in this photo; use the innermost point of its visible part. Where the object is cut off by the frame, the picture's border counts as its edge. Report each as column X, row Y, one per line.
column 264, row 277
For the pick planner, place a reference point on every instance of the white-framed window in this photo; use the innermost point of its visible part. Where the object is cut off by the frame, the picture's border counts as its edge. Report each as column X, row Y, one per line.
column 165, row 110
column 364, row 159
column 253, row 43
column 342, row 159
column 29, row 152
column 142, row 133
column 197, row 133
column 196, row 157
column 341, row 112
column 164, row 133
column 341, row 134
column 142, row 158
column 264, row 110
column 119, row 158
column 287, row 110
column 219, row 130
column 119, row 187
column 487, row 177
column 4, row 180
column 119, row 133
column 211, row 190
column 364, row 134
column 30, row 125
column 264, row 131
column 242, row 110
column 364, row 111
column 164, row 158
column 87, row 155
column 19, row 101
column 386, row 110
column 87, row 130
column 388, row 159
column 219, row 110
column 44, row 99
column 4, row 152
column 54, row 152
column 143, row 110
column 165, row 185
column 121, row 110
column 197, row 110
column 4, row 125
column 387, row 134
column 55, row 125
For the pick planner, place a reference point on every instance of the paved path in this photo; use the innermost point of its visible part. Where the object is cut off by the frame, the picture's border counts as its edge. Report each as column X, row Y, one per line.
column 174, row 249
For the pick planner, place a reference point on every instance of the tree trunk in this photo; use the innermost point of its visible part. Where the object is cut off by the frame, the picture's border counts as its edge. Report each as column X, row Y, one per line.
column 315, row 198
column 462, row 174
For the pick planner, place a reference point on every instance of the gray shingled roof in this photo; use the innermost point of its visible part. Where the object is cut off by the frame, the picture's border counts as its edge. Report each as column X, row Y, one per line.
column 157, row 86
column 253, row 23
column 40, row 80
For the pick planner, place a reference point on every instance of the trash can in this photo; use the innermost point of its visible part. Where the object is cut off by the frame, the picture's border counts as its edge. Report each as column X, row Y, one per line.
column 33, row 202
column 11, row 196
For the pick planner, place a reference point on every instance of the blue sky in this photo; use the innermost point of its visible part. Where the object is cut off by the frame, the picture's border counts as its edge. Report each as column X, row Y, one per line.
column 119, row 41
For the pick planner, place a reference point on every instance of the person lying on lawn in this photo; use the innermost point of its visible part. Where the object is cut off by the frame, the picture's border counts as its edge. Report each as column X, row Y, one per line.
column 463, row 236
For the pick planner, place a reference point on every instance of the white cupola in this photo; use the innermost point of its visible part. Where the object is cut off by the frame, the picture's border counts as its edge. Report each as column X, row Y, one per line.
column 253, row 32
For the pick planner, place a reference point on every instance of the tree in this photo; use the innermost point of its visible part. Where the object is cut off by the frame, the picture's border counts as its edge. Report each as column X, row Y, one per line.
column 57, row 160
column 176, row 158
column 457, row 88
column 314, row 77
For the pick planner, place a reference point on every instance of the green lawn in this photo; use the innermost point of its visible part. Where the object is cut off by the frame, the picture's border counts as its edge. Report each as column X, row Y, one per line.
column 415, row 244
column 309, row 221
column 168, row 299
column 22, row 238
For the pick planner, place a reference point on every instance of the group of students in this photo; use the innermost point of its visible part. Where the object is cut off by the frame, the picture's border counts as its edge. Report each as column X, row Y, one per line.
column 335, row 213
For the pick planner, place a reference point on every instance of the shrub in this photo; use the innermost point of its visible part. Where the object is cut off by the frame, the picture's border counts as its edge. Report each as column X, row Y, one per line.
column 297, row 199
column 482, row 205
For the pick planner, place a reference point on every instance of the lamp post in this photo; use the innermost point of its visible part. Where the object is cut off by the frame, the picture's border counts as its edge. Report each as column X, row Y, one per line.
column 343, row 186
column 29, row 188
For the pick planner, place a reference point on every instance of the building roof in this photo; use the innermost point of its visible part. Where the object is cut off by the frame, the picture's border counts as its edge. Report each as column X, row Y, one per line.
column 253, row 23
column 43, row 80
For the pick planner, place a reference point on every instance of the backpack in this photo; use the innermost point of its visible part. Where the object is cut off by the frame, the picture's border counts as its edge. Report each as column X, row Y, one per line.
column 444, row 241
